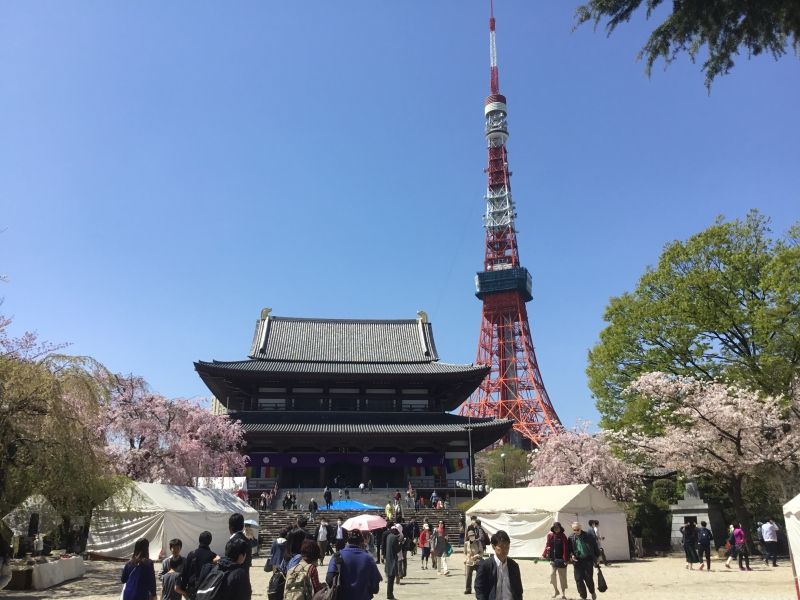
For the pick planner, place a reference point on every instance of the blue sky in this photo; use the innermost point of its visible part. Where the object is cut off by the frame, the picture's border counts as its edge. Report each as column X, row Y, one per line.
column 167, row 169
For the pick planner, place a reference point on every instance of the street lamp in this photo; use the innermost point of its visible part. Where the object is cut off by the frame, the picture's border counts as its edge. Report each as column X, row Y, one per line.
column 503, row 456
column 471, row 469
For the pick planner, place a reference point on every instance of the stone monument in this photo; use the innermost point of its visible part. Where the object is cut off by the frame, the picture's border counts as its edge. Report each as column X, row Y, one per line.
column 692, row 509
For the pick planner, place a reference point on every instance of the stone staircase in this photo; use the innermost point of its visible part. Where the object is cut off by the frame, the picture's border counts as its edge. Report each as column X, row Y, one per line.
column 272, row 521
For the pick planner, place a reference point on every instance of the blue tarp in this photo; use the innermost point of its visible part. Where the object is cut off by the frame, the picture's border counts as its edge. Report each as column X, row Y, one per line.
column 349, row 505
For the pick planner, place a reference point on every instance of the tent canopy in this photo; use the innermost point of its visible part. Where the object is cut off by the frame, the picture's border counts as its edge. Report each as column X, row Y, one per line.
column 159, row 513
column 579, row 499
column 791, row 516
column 527, row 514
column 792, row 507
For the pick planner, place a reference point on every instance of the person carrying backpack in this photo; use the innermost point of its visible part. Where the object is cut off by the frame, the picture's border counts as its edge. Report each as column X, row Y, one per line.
column 302, row 580
column 170, row 581
column 704, row 539
column 229, row 579
column 583, row 553
column 195, row 561
column 353, row 571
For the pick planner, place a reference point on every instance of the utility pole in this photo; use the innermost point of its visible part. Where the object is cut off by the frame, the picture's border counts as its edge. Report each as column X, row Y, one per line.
column 471, row 461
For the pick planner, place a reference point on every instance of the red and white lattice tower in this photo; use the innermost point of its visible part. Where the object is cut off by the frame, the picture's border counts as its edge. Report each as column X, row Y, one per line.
column 514, row 388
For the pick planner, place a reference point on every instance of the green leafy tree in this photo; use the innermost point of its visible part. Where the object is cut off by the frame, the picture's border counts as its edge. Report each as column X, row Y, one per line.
column 724, row 27
column 724, row 304
column 505, row 466
column 51, row 440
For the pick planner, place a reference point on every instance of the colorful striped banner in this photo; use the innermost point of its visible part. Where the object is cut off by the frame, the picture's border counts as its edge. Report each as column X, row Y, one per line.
column 261, row 472
column 456, row 464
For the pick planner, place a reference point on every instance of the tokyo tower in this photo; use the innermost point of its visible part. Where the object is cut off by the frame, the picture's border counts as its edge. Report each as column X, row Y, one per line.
column 513, row 389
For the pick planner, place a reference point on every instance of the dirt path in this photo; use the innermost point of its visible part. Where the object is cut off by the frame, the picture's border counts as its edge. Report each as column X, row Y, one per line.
column 655, row 579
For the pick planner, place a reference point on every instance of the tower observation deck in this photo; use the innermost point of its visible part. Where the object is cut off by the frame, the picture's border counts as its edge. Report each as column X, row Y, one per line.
column 514, row 388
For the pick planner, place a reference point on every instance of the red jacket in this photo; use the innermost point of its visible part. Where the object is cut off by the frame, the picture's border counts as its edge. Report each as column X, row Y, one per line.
column 549, row 546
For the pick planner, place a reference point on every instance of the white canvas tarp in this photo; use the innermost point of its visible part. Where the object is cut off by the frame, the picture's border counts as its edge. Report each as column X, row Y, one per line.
column 791, row 516
column 159, row 513
column 527, row 514
column 232, row 484
column 19, row 518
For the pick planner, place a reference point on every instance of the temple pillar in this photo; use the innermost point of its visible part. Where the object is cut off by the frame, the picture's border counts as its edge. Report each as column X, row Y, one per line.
column 323, row 476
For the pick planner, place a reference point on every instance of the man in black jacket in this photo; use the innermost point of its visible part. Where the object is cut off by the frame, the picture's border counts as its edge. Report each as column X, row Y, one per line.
column 498, row 576
column 296, row 537
column 197, row 559
column 584, row 553
column 391, row 567
column 236, row 527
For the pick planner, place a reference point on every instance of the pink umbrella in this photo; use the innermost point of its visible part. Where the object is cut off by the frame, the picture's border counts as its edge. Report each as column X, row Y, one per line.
column 364, row 523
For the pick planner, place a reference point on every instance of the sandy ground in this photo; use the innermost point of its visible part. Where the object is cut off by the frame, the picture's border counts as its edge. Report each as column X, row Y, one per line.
column 653, row 579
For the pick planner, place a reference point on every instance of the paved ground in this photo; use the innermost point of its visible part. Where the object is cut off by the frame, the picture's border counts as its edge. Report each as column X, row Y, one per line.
column 655, row 579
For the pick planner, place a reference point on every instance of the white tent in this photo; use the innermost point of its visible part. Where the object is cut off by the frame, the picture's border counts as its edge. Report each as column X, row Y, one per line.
column 791, row 516
column 159, row 513
column 526, row 515
column 19, row 518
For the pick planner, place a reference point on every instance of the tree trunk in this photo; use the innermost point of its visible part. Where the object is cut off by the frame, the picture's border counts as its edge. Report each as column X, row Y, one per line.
column 743, row 515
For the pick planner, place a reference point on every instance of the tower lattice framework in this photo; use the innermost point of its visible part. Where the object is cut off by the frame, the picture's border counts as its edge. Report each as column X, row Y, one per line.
column 514, row 388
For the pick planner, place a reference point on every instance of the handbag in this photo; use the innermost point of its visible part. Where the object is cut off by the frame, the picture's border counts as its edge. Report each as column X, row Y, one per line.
column 602, row 586
column 449, row 550
column 332, row 592
column 276, row 586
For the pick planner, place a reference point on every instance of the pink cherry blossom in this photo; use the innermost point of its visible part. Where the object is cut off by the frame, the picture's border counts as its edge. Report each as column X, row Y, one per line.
column 577, row 456
column 708, row 428
column 155, row 439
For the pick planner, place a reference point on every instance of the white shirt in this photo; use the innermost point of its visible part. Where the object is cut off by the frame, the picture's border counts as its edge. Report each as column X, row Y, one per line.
column 503, row 589
column 770, row 532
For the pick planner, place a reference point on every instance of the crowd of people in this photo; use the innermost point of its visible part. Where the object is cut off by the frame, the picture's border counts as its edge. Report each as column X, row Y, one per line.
column 202, row 569
column 267, row 496
column 298, row 554
column 697, row 543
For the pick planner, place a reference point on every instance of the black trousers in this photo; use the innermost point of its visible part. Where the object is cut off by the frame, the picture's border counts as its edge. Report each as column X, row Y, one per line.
column 390, row 587
column 772, row 552
column 705, row 551
column 743, row 553
column 584, row 576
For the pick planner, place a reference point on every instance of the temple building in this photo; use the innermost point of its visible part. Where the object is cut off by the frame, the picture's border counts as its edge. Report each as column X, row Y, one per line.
column 350, row 401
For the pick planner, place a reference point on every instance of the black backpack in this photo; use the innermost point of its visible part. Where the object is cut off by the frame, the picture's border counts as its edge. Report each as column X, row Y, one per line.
column 212, row 586
column 704, row 535
column 277, row 584
column 192, row 577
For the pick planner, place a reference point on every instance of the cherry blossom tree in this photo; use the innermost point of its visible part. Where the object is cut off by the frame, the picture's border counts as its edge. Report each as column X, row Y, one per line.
column 723, row 431
column 577, row 456
column 155, row 439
